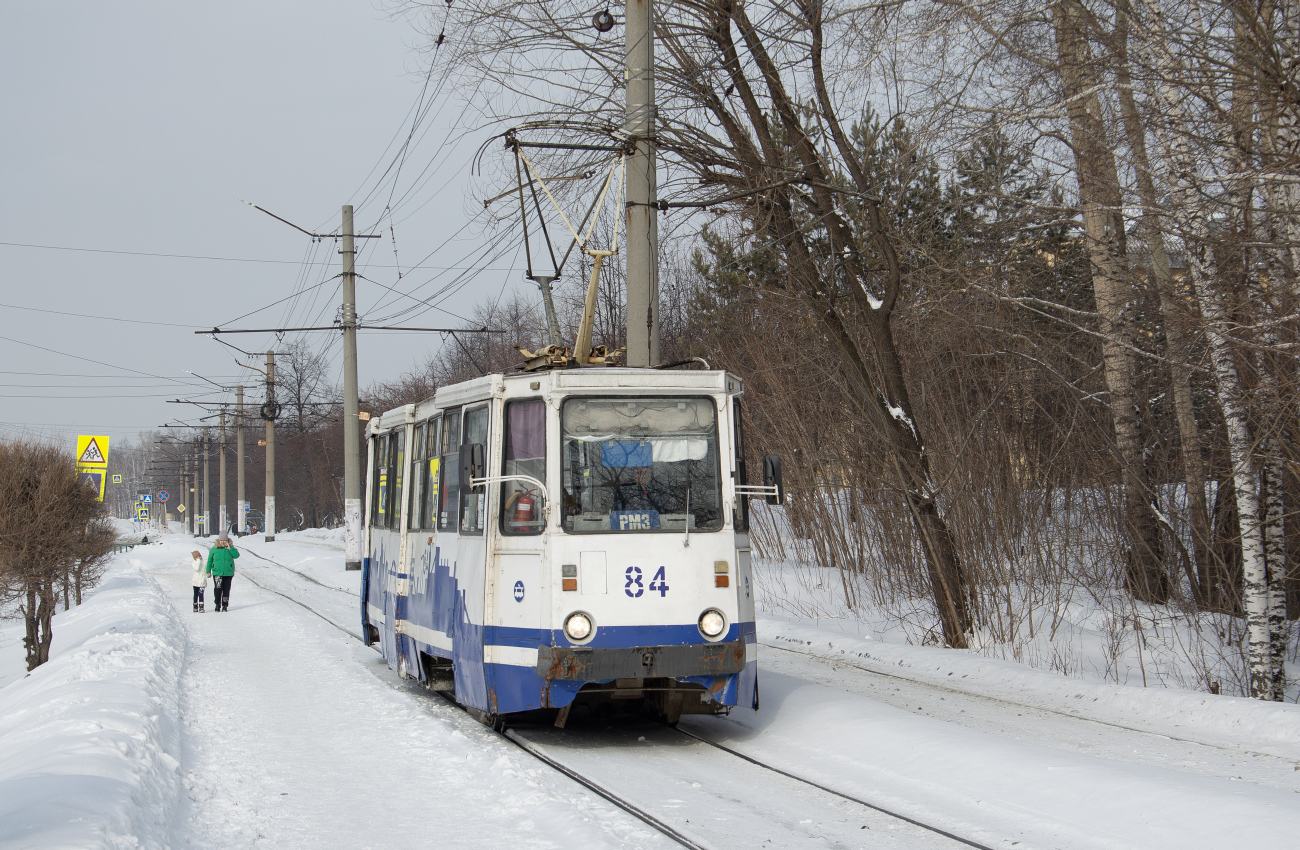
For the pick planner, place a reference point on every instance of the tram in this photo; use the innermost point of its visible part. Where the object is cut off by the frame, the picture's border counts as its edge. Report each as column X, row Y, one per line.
column 575, row 536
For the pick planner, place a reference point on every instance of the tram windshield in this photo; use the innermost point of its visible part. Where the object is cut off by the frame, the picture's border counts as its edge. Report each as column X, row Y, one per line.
column 644, row 464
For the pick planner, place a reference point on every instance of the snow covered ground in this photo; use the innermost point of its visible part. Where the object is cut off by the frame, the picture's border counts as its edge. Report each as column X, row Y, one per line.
column 267, row 726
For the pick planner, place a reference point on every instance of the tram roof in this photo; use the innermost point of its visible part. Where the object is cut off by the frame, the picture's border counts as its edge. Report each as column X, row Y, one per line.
column 615, row 380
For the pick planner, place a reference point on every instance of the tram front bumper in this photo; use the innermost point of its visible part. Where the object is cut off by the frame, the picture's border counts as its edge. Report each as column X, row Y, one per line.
column 589, row 664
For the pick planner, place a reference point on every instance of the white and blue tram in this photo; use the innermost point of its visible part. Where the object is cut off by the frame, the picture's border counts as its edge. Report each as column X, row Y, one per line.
column 541, row 537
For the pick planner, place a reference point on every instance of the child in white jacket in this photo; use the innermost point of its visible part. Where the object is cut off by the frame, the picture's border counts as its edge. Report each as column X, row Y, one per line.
column 199, row 580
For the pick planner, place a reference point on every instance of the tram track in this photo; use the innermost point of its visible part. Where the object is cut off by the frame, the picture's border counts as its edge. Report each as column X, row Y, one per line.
column 543, row 755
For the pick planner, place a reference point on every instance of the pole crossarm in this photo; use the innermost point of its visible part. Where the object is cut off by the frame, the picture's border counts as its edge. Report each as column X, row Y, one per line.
column 359, row 327
column 310, row 233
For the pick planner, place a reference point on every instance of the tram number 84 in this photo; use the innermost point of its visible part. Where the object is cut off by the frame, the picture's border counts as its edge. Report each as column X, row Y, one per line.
column 633, row 587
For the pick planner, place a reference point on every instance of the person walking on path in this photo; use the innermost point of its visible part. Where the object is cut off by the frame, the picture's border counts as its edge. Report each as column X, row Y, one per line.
column 199, row 580
column 221, row 566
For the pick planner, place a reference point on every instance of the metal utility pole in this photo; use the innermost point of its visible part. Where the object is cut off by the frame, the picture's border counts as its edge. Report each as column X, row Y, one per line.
column 240, row 515
column 351, row 403
column 639, row 120
column 207, row 489
column 268, row 413
column 224, row 527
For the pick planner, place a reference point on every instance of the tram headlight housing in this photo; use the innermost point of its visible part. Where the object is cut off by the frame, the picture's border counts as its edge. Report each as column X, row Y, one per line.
column 578, row 626
column 713, row 624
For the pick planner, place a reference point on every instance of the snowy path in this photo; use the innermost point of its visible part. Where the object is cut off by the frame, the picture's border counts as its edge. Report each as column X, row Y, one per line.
column 294, row 735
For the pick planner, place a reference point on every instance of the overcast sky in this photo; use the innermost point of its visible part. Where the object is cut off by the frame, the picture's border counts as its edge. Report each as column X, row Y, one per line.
column 140, row 127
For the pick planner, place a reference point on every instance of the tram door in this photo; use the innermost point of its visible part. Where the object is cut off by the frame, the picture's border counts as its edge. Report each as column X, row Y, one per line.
column 471, row 568
column 387, row 479
column 518, row 590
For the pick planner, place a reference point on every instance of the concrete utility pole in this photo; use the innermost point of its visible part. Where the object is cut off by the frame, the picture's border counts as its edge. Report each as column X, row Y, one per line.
column 351, row 403
column 240, row 514
column 221, row 477
column 268, row 413
column 639, row 120
column 197, row 503
column 207, row 487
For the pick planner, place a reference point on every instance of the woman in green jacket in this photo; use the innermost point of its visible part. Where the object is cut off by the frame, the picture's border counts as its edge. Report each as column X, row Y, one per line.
column 221, row 566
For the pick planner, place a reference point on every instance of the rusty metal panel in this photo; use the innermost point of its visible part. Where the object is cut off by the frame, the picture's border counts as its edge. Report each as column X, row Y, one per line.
column 711, row 659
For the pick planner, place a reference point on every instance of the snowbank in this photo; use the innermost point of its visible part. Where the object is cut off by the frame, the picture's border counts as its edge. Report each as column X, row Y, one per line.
column 88, row 741
column 1218, row 720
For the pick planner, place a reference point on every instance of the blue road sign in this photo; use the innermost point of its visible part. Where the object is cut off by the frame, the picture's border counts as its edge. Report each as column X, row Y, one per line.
column 147, row 499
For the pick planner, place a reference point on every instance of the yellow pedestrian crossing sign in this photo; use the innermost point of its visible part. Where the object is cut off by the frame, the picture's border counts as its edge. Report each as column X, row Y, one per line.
column 92, row 451
column 117, row 479
column 92, row 462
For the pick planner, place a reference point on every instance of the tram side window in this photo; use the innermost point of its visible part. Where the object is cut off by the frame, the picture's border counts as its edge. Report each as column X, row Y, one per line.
column 524, row 454
column 473, row 505
column 742, row 504
column 417, row 479
column 396, row 474
column 425, row 514
column 449, row 492
column 379, row 484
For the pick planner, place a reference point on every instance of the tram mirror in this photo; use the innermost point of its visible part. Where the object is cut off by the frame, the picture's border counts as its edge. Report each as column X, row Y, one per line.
column 472, row 464
column 772, row 478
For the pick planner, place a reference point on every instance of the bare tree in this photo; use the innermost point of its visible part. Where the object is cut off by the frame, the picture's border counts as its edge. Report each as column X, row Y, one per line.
column 48, row 530
column 733, row 123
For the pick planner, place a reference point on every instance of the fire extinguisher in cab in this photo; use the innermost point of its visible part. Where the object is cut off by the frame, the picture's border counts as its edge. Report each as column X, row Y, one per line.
column 523, row 509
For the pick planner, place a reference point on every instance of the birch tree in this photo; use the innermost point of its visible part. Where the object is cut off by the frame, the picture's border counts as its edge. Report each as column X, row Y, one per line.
column 1184, row 180
column 1177, row 333
column 1101, row 204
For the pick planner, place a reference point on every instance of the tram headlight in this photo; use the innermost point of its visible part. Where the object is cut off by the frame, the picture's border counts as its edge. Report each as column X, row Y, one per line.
column 578, row 626
column 712, row 624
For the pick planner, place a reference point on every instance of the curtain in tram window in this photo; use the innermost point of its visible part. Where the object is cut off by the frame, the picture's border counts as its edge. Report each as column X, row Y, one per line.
column 526, row 430
column 524, row 453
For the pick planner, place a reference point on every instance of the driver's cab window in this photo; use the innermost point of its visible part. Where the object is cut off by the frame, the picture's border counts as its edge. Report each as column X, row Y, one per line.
column 473, row 503
column 742, row 478
column 524, row 454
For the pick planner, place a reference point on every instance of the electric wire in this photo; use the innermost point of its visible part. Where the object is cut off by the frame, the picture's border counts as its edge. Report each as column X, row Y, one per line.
column 100, row 317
